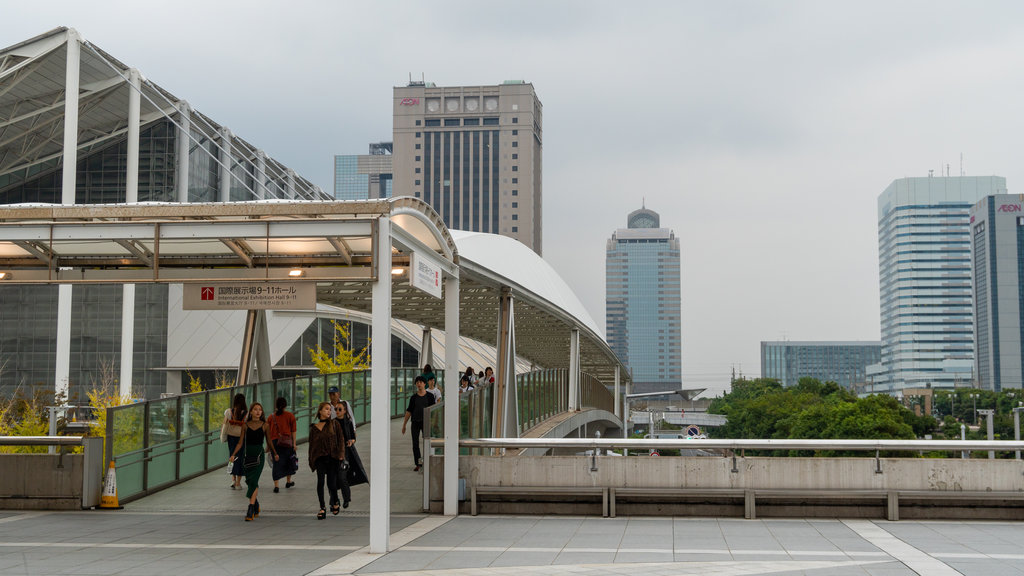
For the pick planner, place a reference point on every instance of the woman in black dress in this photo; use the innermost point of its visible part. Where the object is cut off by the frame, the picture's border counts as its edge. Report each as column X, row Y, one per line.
column 355, row 474
column 254, row 435
column 326, row 451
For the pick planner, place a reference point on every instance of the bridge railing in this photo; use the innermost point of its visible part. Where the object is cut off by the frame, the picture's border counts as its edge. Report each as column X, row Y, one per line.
column 158, row 443
column 540, row 395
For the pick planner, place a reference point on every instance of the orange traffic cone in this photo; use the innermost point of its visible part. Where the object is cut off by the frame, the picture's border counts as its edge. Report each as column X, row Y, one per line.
column 108, row 500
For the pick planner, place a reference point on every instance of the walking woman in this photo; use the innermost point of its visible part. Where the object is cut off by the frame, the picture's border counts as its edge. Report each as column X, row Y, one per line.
column 256, row 432
column 231, row 432
column 355, row 474
column 326, row 451
column 282, row 434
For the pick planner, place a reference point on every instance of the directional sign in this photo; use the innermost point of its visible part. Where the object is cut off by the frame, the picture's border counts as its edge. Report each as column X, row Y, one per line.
column 425, row 275
column 249, row 296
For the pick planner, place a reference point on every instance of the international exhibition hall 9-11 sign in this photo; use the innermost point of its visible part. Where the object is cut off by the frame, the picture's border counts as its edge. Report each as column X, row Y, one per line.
column 249, row 296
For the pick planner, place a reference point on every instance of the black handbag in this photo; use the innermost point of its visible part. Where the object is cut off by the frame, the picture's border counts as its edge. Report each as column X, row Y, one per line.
column 250, row 462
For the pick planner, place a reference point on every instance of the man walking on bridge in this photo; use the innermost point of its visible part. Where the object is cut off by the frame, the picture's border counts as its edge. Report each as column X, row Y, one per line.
column 417, row 402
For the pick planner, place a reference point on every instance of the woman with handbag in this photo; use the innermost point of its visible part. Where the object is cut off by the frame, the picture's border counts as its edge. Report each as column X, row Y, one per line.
column 254, row 434
column 282, row 434
column 326, row 452
column 231, row 432
column 355, row 474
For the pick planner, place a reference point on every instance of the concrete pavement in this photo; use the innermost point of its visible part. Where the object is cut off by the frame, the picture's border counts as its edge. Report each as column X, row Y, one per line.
column 197, row 529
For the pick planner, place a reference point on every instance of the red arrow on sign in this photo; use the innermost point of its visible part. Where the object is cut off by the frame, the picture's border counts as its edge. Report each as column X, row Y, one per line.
column 206, row 293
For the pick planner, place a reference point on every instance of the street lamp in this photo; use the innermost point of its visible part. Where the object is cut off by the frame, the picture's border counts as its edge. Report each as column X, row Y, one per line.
column 1016, row 425
column 974, row 397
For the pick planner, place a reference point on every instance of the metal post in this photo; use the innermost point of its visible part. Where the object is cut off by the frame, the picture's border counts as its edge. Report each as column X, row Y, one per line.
column 574, row 370
column 380, row 393
column 131, row 196
column 618, row 402
column 226, row 162
column 963, row 438
column 989, row 415
column 451, row 396
column 62, row 363
column 261, row 175
column 183, row 145
column 1016, row 426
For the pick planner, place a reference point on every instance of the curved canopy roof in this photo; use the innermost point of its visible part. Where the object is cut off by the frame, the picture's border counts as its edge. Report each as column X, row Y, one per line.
column 331, row 241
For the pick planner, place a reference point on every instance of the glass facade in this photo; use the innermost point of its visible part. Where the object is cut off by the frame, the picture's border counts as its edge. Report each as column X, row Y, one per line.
column 361, row 177
column 28, row 314
column 643, row 318
column 844, row 363
column 924, row 252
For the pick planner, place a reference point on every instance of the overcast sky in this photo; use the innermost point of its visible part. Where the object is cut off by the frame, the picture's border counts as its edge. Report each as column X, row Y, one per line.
column 762, row 132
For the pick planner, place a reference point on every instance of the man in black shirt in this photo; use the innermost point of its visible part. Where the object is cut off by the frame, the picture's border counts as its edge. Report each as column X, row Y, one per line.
column 417, row 402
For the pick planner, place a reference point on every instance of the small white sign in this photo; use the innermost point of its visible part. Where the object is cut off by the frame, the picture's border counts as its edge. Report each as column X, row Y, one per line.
column 249, row 296
column 424, row 275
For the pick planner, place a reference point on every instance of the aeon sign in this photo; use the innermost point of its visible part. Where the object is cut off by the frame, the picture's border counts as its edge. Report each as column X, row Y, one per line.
column 409, row 101
column 1010, row 208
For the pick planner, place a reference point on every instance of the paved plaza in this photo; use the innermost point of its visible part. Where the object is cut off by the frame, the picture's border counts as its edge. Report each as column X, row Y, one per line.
column 196, row 528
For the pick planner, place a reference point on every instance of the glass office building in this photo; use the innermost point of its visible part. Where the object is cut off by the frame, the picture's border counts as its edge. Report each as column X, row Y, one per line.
column 844, row 363
column 997, row 246
column 642, row 298
column 924, row 264
column 364, row 176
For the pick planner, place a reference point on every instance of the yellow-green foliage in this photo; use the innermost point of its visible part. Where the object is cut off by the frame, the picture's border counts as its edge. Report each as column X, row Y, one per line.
column 21, row 416
column 344, row 358
column 127, row 428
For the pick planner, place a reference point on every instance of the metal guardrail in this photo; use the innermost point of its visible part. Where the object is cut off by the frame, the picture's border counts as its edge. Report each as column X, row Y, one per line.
column 745, row 444
column 41, row 440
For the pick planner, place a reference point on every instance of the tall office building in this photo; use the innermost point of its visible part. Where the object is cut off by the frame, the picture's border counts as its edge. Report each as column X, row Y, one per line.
column 642, row 301
column 474, row 154
column 924, row 266
column 997, row 246
column 844, row 363
column 364, row 176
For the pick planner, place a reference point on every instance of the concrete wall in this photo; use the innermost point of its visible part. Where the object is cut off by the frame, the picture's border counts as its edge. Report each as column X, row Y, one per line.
column 756, row 473
column 752, row 473
column 34, row 482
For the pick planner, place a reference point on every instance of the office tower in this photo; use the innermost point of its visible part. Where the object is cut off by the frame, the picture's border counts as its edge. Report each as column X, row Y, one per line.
column 474, row 154
column 924, row 266
column 642, row 302
column 364, row 176
column 841, row 362
column 997, row 246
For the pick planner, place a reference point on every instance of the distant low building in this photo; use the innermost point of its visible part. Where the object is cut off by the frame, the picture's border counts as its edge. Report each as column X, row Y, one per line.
column 844, row 363
column 364, row 176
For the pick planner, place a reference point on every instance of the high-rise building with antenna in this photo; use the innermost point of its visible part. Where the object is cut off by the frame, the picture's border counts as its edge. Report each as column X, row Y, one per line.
column 924, row 265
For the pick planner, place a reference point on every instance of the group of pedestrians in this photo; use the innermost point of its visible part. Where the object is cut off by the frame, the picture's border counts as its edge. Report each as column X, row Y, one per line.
column 332, row 452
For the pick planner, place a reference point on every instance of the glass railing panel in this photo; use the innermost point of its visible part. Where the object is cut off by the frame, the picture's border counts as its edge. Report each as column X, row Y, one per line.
column 192, row 458
column 127, row 447
column 162, row 442
column 302, row 409
column 220, row 401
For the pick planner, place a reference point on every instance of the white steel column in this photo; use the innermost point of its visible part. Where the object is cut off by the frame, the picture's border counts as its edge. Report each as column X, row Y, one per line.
column 131, row 196
column 261, row 175
column 618, row 397
column 184, row 145
column 380, row 393
column 132, row 160
column 451, row 395
column 505, row 415
column 574, row 369
column 427, row 347
column 127, row 339
column 62, row 363
column 226, row 162
column 291, row 186
column 71, row 89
